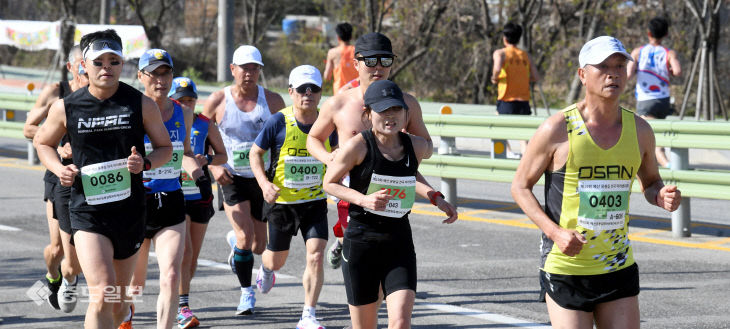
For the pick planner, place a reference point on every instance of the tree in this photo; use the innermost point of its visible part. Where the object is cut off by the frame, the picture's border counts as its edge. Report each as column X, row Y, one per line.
column 151, row 15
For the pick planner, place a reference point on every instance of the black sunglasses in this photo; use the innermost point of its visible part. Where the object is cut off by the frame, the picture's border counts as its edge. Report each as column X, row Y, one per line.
column 385, row 61
column 308, row 87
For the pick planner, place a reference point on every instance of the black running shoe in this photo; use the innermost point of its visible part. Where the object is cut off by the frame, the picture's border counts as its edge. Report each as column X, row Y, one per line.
column 53, row 296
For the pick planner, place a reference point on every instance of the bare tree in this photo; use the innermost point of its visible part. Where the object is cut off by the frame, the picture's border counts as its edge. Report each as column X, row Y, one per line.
column 418, row 44
column 575, row 85
column 152, row 18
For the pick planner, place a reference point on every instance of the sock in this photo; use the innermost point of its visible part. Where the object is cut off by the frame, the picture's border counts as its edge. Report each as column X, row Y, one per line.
column 52, row 280
column 243, row 261
column 247, row 290
column 129, row 315
column 183, row 300
column 308, row 311
column 267, row 271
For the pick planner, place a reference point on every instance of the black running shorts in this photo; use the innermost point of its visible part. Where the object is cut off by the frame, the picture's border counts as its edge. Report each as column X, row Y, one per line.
column 245, row 189
column 48, row 191
column 124, row 226
column 656, row 108
column 199, row 211
column 375, row 253
column 585, row 292
column 286, row 219
column 61, row 198
column 514, row 107
column 164, row 209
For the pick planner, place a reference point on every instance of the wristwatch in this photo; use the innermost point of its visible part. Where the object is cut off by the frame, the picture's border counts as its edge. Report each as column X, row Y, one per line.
column 147, row 164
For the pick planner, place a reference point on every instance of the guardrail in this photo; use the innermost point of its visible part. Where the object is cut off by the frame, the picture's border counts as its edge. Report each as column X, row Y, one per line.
column 679, row 135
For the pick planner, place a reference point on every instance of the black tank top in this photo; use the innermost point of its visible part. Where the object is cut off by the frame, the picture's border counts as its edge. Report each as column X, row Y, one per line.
column 375, row 163
column 64, row 90
column 101, row 131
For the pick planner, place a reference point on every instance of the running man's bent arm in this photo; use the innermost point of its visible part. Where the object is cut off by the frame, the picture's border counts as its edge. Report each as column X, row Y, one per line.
column 498, row 59
column 157, row 133
column 674, row 66
column 275, row 101
column 539, row 155
column 330, row 64
column 632, row 65
column 210, row 108
column 189, row 163
column 40, row 109
column 216, row 142
column 416, row 126
column 666, row 197
column 47, row 137
column 321, row 131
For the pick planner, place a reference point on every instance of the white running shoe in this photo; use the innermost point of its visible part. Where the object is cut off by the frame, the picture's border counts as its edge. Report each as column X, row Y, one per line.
column 309, row 322
column 68, row 295
column 263, row 281
column 231, row 238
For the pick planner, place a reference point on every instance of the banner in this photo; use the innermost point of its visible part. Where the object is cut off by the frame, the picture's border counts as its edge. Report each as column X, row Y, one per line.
column 38, row 35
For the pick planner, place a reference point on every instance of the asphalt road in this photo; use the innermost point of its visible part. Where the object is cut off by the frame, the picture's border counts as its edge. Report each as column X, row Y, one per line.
column 480, row 272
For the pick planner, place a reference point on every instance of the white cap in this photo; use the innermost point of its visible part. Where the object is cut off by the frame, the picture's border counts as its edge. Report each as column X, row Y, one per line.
column 99, row 47
column 247, row 54
column 597, row 50
column 304, row 74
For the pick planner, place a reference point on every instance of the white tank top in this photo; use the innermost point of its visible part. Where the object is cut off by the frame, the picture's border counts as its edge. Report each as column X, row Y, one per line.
column 239, row 130
column 652, row 76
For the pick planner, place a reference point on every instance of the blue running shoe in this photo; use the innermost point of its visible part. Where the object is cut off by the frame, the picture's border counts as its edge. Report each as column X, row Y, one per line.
column 246, row 305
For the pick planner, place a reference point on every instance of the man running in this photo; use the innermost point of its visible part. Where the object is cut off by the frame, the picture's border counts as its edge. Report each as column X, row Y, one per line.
column 590, row 154
column 57, row 196
column 165, row 224
column 240, row 111
column 512, row 72
column 106, row 123
column 340, row 59
column 653, row 65
column 292, row 190
column 343, row 113
column 204, row 135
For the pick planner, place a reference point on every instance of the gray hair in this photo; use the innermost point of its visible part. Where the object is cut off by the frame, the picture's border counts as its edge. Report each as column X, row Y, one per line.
column 75, row 51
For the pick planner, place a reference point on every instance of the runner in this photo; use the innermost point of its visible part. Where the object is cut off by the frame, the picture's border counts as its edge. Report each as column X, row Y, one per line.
column 340, row 59
column 343, row 114
column 378, row 248
column 240, row 111
column 106, row 123
column 198, row 211
column 292, row 190
column 590, row 154
column 512, row 72
column 653, row 64
column 57, row 196
column 354, row 83
column 165, row 225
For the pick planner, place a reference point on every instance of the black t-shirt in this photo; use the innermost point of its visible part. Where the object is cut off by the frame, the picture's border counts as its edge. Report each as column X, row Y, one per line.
column 375, row 163
column 101, row 131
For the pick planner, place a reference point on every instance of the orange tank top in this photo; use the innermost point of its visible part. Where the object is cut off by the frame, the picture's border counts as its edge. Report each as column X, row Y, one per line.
column 344, row 71
column 514, row 78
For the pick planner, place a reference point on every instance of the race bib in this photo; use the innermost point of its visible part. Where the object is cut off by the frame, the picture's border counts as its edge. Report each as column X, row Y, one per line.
column 603, row 204
column 403, row 190
column 241, row 161
column 169, row 170
column 106, row 182
column 302, row 172
column 188, row 184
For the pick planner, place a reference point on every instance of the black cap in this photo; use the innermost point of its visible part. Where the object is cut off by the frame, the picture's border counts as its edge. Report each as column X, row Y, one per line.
column 373, row 43
column 384, row 94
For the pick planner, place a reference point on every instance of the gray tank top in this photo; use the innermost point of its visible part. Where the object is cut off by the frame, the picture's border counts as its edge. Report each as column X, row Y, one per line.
column 239, row 130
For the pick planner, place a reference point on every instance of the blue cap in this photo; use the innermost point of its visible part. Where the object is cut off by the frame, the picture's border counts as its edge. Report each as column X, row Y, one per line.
column 181, row 87
column 384, row 94
column 81, row 69
column 154, row 58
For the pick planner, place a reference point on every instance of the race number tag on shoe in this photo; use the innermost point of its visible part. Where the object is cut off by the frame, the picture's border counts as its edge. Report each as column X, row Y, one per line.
column 403, row 190
column 169, row 170
column 106, row 182
column 603, row 204
column 188, row 184
column 241, row 161
column 302, row 172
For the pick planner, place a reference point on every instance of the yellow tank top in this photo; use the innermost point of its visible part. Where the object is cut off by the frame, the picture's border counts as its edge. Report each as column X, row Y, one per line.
column 590, row 194
column 514, row 77
column 298, row 174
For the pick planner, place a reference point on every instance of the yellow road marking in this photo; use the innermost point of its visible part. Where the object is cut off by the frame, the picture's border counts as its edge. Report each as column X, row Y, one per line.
column 14, row 164
column 717, row 242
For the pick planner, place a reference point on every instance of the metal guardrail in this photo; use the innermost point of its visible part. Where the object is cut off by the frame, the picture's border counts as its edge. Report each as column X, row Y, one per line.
column 679, row 135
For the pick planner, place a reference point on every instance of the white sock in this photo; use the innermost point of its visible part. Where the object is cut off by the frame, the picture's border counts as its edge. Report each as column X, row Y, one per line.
column 248, row 289
column 309, row 311
column 129, row 315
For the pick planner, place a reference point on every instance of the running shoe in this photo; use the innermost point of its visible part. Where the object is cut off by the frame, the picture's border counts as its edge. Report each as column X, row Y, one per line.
column 53, row 288
column 334, row 254
column 265, row 281
column 309, row 322
column 128, row 324
column 186, row 318
column 231, row 238
column 246, row 305
column 68, row 295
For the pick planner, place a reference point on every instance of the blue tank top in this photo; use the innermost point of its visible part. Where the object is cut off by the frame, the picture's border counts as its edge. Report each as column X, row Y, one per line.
column 198, row 134
column 166, row 178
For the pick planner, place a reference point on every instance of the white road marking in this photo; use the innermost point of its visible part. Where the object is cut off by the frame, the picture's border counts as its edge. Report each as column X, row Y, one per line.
column 9, row 228
column 224, row 266
column 482, row 315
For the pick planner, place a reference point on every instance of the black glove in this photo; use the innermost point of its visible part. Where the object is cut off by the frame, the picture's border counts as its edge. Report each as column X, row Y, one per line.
column 206, row 190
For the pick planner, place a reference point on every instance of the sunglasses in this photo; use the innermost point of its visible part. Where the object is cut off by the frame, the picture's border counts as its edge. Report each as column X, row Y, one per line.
column 385, row 61
column 308, row 87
